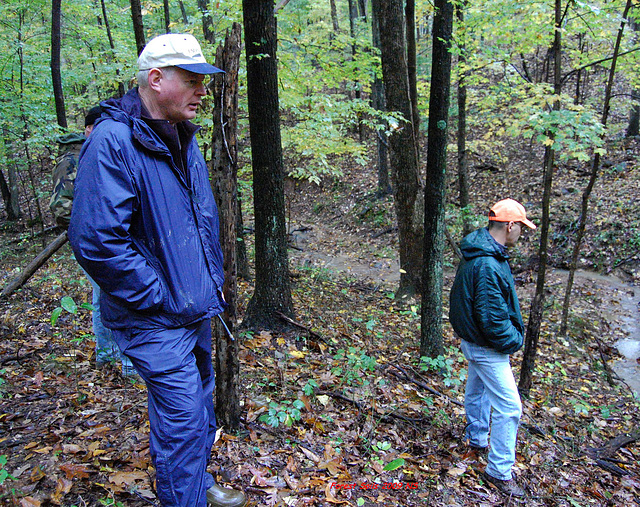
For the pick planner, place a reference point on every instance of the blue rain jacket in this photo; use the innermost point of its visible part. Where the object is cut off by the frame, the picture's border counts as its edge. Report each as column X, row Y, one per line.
column 483, row 305
column 145, row 231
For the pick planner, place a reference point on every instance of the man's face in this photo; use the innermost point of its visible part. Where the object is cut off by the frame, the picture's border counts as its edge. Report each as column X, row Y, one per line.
column 514, row 229
column 180, row 94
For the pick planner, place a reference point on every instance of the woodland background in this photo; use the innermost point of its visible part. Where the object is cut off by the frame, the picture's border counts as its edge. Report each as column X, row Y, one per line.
column 345, row 393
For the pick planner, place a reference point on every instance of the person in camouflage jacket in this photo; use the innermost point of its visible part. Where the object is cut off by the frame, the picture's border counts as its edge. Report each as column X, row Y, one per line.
column 64, row 175
column 61, row 202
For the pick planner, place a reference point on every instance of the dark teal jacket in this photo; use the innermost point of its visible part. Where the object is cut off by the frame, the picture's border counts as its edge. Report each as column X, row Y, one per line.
column 483, row 307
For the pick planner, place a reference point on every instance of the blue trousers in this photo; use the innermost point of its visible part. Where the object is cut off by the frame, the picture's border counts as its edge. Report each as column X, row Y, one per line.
column 176, row 366
column 490, row 385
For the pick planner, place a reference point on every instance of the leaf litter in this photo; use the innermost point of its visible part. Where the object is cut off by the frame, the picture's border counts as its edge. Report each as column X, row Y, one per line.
column 373, row 427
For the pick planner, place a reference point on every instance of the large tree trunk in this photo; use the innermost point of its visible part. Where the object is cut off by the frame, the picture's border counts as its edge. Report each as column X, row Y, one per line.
column 138, row 25
column 378, row 102
column 595, row 168
column 272, row 287
column 463, row 160
column 403, row 151
column 56, row 78
column 532, row 334
column 431, row 343
column 224, row 172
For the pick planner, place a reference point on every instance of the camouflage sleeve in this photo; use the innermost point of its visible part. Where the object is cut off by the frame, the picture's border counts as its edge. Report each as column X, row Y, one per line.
column 64, row 176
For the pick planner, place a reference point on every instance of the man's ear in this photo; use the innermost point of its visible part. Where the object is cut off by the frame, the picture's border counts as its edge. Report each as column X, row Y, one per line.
column 155, row 77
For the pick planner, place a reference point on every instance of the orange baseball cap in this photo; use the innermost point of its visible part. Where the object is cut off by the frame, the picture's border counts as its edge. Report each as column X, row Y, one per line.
column 509, row 210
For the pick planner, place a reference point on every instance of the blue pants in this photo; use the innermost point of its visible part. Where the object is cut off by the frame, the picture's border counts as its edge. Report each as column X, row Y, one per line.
column 490, row 385
column 176, row 366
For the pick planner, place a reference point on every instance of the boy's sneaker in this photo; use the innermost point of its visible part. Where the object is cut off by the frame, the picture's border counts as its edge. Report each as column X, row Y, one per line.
column 509, row 488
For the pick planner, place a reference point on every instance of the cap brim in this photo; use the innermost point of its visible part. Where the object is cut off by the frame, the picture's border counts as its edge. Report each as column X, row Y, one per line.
column 200, row 68
column 528, row 223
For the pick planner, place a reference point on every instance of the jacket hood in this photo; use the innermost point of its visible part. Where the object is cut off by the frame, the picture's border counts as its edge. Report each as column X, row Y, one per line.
column 71, row 139
column 481, row 244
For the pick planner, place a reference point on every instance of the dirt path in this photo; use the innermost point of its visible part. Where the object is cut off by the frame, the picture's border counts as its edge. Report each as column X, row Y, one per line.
column 617, row 302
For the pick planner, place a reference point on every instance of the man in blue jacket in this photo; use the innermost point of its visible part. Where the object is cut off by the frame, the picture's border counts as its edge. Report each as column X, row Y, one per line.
column 485, row 313
column 144, row 225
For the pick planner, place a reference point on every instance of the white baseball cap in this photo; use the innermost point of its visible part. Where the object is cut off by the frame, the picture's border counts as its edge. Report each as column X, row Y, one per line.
column 175, row 50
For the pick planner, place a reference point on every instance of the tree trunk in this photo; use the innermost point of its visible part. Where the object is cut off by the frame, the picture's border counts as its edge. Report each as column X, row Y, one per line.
column 586, row 194
column 403, row 151
column 412, row 69
column 224, row 172
column 242, row 259
column 10, row 203
column 207, row 22
column 138, row 25
column 56, row 78
column 167, row 17
column 107, row 25
column 633, row 129
column 272, row 287
column 532, row 334
column 431, row 343
column 378, row 102
column 463, row 160
column 185, row 18
column 353, row 18
column 334, row 16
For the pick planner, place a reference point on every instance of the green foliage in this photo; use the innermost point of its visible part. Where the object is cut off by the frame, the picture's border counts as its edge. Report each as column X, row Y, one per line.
column 355, row 367
column 444, row 366
column 286, row 412
column 4, row 474
column 310, row 387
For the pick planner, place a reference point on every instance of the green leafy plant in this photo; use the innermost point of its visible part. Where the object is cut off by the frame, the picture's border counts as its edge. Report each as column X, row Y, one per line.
column 355, row 367
column 4, row 474
column 285, row 413
column 444, row 365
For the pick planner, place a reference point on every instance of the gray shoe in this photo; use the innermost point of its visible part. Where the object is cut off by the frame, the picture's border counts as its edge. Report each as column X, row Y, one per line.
column 509, row 488
column 217, row 496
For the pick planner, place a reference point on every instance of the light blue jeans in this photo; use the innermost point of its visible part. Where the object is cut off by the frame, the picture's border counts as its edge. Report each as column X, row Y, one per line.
column 106, row 348
column 490, row 385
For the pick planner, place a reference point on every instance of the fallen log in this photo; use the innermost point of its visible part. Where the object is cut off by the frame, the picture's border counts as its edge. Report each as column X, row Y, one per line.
column 34, row 265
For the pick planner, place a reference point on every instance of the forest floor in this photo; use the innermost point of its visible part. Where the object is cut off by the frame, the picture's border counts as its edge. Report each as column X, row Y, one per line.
column 356, row 418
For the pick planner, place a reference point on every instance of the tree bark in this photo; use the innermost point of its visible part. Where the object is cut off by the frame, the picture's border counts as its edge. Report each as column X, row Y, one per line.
column 334, row 16
column 532, row 334
column 378, row 102
column 463, row 161
column 224, row 172
column 595, row 168
column 138, row 25
column 431, row 343
column 185, row 18
column 412, row 69
column 403, row 151
column 272, row 287
column 207, row 22
column 167, row 17
column 56, row 77
column 10, row 188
